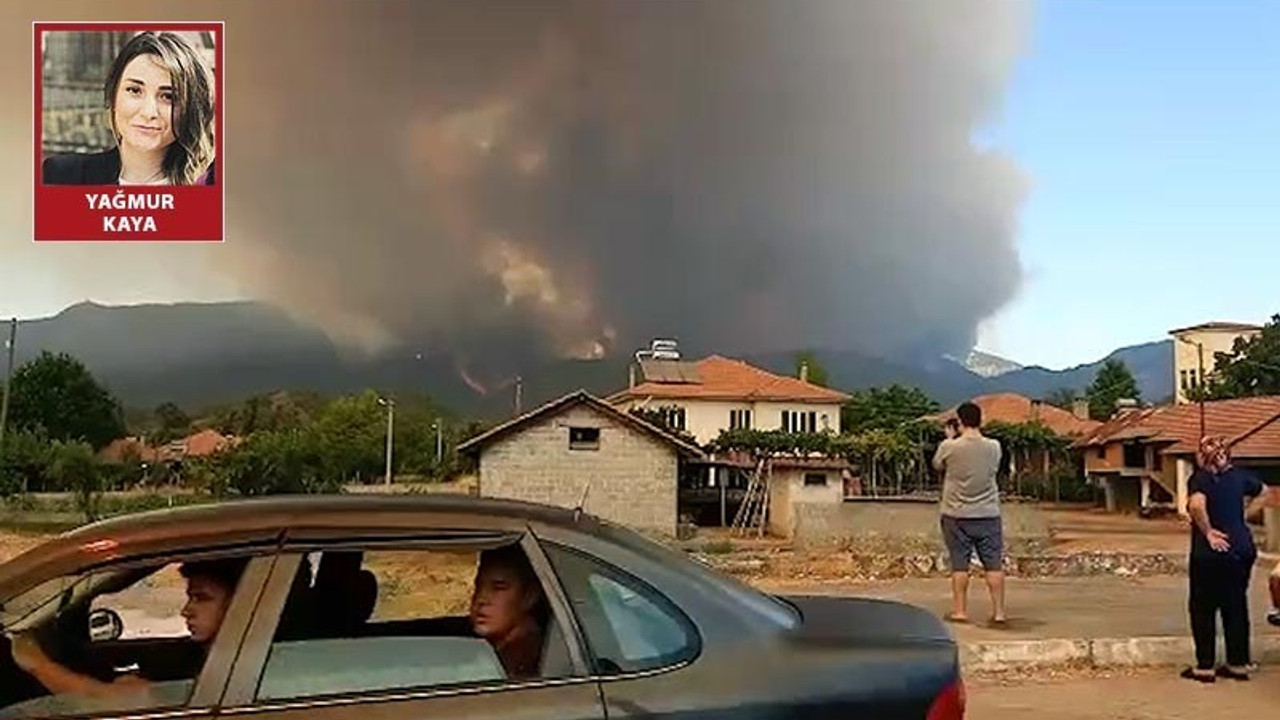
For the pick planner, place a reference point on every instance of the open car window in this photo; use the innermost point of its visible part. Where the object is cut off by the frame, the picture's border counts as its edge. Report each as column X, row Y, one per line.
column 381, row 620
column 122, row 639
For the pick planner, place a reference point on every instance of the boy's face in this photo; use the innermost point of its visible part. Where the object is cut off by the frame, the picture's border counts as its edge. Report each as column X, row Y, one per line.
column 206, row 605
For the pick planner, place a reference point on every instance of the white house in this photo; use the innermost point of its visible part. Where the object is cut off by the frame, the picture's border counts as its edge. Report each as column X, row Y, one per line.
column 719, row 393
column 1195, row 348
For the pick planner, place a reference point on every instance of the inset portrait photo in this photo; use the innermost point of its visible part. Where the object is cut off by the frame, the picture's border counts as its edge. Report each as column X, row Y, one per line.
column 128, row 137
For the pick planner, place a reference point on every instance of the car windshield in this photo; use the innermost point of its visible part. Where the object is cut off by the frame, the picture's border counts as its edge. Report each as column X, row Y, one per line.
column 24, row 604
column 51, row 596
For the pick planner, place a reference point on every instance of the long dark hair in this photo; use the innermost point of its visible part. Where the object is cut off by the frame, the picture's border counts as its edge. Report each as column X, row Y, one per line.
column 192, row 151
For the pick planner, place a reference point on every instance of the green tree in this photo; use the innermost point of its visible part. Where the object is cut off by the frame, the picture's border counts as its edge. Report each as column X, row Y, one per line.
column 1251, row 368
column 817, row 372
column 1113, row 383
column 171, row 423
column 271, row 462
column 885, row 408
column 24, row 461
column 273, row 411
column 352, row 432
column 60, row 395
column 73, row 467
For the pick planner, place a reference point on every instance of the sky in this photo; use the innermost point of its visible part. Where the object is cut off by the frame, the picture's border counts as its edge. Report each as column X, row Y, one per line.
column 1146, row 131
column 1149, row 131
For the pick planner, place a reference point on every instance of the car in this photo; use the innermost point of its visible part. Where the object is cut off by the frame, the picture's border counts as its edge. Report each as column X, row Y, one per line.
column 633, row 628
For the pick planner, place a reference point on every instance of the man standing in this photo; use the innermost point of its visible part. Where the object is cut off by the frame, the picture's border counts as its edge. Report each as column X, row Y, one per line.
column 971, row 511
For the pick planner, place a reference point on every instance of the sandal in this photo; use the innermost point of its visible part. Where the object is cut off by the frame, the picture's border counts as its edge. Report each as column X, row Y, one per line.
column 957, row 619
column 1201, row 677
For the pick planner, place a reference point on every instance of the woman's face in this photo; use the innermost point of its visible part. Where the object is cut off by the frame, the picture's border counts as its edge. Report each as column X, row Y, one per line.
column 500, row 602
column 144, row 105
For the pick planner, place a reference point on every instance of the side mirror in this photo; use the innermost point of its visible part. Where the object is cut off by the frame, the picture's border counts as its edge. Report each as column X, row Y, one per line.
column 105, row 625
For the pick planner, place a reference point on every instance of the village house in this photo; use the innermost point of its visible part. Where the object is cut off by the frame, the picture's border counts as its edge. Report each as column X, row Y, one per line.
column 1014, row 409
column 717, row 393
column 201, row 444
column 1143, row 457
column 1195, row 351
column 580, row 451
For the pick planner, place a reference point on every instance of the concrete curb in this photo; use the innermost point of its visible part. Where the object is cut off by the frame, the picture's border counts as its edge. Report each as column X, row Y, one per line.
column 1097, row 652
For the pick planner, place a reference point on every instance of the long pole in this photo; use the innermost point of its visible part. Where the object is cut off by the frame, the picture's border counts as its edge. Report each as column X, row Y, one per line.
column 391, row 419
column 439, row 441
column 8, row 379
column 1200, row 361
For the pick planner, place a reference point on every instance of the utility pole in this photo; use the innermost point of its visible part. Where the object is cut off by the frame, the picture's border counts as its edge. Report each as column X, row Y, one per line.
column 390, row 405
column 439, row 441
column 1200, row 385
column 8, row 379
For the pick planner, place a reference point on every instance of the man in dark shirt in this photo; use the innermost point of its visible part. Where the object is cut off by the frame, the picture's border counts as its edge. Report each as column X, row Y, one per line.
column 1222, row 558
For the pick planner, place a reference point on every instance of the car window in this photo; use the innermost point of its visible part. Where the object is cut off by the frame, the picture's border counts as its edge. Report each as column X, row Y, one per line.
column 395, row 620
column 629, row 626
column 122, row 640
column 149, row 608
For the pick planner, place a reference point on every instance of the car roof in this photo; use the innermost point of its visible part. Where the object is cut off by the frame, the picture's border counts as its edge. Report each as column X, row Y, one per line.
column 262, row 521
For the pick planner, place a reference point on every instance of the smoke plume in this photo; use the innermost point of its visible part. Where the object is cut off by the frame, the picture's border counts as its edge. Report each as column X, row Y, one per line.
column 505, row 180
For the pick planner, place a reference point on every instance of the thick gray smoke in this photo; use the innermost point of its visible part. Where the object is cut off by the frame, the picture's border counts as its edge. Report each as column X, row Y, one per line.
column 508, row 179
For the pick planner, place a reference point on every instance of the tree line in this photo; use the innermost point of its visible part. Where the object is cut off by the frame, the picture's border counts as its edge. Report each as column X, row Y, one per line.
column 61, row 418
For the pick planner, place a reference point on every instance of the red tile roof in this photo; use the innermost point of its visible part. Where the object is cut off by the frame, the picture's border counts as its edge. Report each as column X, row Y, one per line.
column 1246, row 422
column 207, row 442
column 201, row 444
column 1014, row 408
column 1261, row 442
column 733, row 380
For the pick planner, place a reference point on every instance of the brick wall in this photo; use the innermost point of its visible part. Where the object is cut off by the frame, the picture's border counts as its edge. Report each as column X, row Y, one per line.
column 632, row 474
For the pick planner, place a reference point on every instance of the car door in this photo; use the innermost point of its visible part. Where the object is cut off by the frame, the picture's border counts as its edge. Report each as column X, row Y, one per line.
column 664, row 644
column 293, row 666
column 165, row 697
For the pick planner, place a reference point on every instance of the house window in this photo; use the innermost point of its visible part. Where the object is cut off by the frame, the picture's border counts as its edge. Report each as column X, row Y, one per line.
column 673, row 417
column 739, row 419
column 1102, row 452
column 815, row 479
column 1135, row 456
column 1184, row 381
column 584, row 438
column 799, row 422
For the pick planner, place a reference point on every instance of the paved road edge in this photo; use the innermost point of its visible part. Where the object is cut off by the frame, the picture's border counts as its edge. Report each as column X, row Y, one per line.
column 1097, row 652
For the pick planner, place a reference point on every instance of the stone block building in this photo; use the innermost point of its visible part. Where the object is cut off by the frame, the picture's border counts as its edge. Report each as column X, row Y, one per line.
column 581, row 447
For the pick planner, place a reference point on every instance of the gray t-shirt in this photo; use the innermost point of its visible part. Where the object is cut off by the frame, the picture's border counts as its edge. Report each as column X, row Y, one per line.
column 969, row 464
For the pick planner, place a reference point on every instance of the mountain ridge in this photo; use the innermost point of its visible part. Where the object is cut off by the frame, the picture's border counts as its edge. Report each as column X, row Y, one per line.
column 204, row 354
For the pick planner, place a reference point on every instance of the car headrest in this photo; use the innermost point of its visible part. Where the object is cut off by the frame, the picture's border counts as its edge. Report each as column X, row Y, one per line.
column 364, row 596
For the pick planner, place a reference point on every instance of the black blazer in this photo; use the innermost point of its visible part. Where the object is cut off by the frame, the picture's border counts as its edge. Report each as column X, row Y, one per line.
column 100, row 168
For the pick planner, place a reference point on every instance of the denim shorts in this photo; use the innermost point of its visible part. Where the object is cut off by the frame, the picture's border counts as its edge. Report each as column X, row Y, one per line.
column 964, row 536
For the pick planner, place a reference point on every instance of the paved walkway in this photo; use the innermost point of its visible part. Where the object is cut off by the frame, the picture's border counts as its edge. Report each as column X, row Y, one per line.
column 1090, row 607
column 1145, row 695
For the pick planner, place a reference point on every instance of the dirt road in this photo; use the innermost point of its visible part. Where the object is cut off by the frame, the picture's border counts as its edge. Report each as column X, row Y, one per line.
column 1146, row 695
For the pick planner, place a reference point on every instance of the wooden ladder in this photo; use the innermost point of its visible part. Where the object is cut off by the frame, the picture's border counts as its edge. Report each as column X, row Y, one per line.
column 753, row 513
